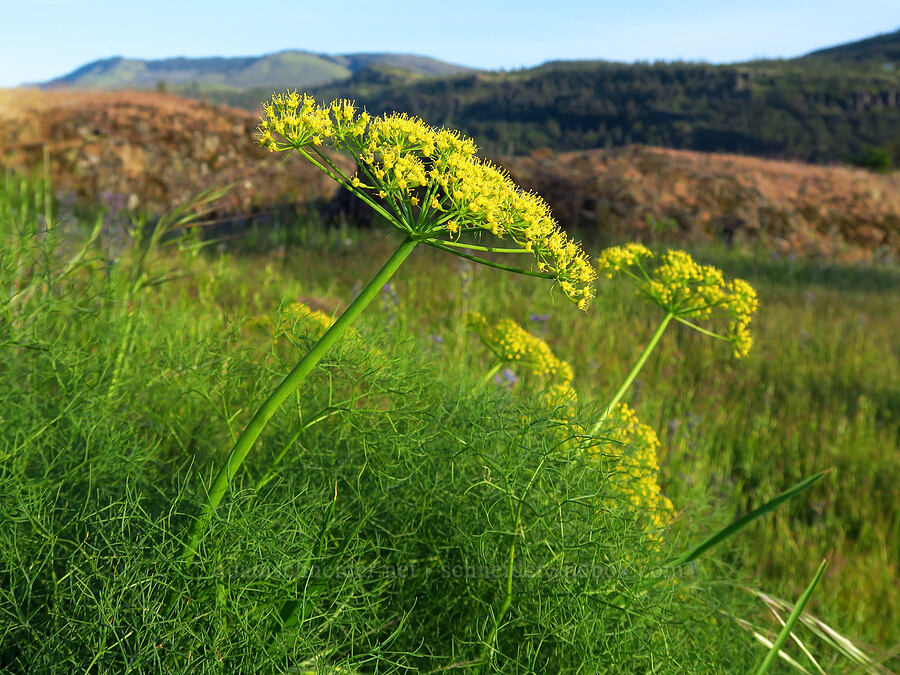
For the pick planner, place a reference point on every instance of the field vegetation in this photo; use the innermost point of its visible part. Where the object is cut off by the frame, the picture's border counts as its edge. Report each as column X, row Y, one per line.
column 438, row 433
column 372, row 530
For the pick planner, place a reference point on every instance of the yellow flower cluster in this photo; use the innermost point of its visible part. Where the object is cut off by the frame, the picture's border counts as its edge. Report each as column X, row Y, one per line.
column 561, row 395
column 395, row 151
column 634, row 444
column 299, row 314
column 743, row 303
column 293, row 121
column 430, row 180
column 638, row 467
column 480, row 195
column 687, row 289
column 617, row 258
column 511, row 343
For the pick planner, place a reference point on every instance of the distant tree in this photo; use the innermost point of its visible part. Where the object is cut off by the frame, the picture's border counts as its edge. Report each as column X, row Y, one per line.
column 874, row 159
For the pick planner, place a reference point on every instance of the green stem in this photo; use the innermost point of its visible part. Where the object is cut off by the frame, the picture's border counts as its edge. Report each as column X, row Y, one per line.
column 493, row 371
column 620, row 392
column 121, row 352
column 434, row 243
column 701, row 329
column 507, row 601
column 124, row 346
column 510, row 573
column 334, row 172
column 488, row 249
column 289, row 385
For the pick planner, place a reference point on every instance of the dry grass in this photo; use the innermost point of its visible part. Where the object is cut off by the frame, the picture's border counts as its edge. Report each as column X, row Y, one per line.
column 156, row 150
column 794, row 208
column 148, row 150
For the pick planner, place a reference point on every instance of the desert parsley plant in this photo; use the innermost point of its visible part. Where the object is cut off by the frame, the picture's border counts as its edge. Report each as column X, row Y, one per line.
column 687, row 292
column 430, row 185
column 513, row 345
column 628, row 446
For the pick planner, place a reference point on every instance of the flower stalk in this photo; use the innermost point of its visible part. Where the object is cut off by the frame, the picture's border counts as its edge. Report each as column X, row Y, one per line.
column 288, row 386
column 633, row 373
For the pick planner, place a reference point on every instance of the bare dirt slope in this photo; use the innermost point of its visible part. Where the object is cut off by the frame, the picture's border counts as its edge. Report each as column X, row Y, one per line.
column 153, row 151
column 791, row 207
column 148, row 150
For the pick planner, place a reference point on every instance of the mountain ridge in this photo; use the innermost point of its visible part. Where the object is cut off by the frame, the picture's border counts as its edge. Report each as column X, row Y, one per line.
column 180, row 70
column 286, row 68
column 884, row 47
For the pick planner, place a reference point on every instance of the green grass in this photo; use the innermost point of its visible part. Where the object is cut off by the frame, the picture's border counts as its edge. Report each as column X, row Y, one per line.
column 819, row 390
column 382, row 540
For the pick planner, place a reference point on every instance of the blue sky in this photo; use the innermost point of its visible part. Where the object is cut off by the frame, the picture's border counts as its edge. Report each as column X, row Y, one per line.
column 41, row 39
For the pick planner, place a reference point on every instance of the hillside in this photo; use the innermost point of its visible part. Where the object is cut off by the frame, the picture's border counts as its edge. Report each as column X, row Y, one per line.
column 883, row 50
column 152, row 151
column 826, row 107
column 794, row 110
column 291, row 68
column 676, row 195
column 840, row 104
column 148, row 151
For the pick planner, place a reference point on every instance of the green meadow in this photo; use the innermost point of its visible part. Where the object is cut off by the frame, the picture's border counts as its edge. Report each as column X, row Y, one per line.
column 819, row 390
column 407, row 511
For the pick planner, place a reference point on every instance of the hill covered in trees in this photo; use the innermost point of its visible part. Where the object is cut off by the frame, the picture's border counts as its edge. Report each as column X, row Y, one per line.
column 837, row 105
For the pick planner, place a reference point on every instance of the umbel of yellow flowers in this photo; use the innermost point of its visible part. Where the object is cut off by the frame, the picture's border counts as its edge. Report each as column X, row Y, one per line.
column 636, row 445
column 428, row 182
column 511, row 343
column 687, row 290
column 626, row 442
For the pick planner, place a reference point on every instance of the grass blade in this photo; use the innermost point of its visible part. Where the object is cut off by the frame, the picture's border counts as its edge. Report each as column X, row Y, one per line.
column 746, row 519
column 828, row 635
column 791, row 621
column 757, row 633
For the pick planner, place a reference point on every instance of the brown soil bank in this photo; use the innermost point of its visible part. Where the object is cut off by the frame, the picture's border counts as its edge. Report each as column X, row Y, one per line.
column 794, row 208
column 152, row 151
column 149, row 151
